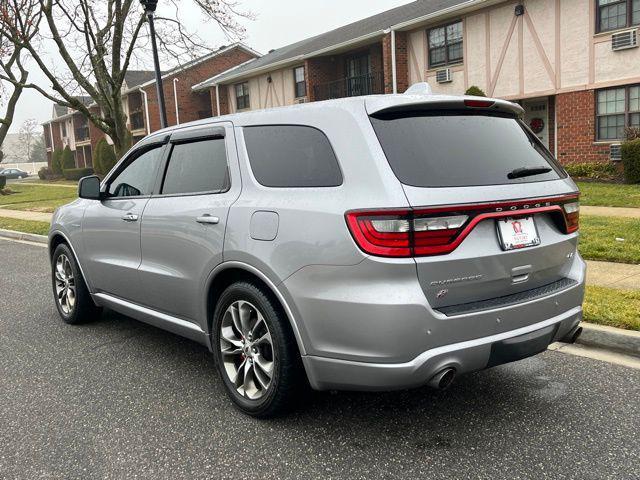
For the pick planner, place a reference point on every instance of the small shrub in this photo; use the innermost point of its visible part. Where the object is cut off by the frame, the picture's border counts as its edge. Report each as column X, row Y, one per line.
column 593, row 170
column 3, row 182
column 56, row 162
column 68, row 161
column 475, row 91
column 45, row 173
column 631, row 161
column 77, row 173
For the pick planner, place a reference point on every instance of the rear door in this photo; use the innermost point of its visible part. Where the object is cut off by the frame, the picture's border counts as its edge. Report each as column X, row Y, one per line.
column 183, row 225
column 462, row 172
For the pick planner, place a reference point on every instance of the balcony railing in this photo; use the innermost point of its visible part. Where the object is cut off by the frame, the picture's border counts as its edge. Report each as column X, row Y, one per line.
column 368, row 84
column 82, row 133
column 137, row 120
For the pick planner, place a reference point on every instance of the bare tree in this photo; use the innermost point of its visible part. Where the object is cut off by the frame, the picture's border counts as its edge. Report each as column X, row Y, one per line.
column 28, row 132
column 13, row 74
column 96, row 41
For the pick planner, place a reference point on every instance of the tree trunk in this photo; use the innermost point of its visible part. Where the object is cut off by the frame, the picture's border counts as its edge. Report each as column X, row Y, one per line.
column 11, row 110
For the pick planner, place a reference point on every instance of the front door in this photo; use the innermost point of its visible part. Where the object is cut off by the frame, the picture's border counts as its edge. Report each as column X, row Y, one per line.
column 183, row 226
column 111, row 227
column 536, row 116
column 358, row 78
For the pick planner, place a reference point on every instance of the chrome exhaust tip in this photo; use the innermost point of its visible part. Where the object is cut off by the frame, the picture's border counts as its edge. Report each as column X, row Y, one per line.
column 443, row 379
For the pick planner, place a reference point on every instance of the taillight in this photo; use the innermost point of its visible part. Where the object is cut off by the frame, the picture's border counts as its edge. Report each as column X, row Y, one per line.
column 478, row 103
column 438, row 231
column 572, row 216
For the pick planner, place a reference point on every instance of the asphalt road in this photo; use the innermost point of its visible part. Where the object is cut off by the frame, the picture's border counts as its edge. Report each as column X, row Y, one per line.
column 120, row 399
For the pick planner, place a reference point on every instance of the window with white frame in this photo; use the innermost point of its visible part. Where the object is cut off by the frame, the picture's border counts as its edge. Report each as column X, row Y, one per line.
column 445, row 44
column 300, row 82
column 242, row 95
column 615, row 14
column 616, row 109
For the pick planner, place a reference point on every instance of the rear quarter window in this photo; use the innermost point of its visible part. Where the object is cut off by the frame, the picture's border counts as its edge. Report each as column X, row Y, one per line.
column 291, row 156
column 457, row 149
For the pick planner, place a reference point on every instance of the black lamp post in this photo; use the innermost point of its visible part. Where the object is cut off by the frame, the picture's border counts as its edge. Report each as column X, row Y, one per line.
column 149, row 9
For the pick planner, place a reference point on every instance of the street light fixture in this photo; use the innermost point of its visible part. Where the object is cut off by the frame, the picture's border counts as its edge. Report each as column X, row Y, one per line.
column 149, row 9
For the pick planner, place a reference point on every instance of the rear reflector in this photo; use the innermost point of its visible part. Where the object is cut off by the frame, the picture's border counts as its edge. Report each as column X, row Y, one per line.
column 438, row 231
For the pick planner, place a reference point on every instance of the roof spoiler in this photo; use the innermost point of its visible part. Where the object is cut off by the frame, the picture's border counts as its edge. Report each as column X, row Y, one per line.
column 420, row 97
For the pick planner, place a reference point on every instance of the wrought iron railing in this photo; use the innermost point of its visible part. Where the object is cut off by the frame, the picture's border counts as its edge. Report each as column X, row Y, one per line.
column 368, row 84
column 137, row 120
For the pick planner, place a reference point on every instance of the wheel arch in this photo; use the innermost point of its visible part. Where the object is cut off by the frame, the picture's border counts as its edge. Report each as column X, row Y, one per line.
column 56, row 238
column 230, row 272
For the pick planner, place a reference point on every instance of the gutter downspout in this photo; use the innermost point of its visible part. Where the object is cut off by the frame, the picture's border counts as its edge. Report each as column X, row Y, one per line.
column 175, row 100
column 217, row 99
column 394, row 76
column 146, row 108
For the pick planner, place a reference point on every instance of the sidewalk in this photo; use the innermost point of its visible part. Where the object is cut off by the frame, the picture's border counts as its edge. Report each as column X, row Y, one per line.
column 25, row 215
column 610, row 211
column 613, row 275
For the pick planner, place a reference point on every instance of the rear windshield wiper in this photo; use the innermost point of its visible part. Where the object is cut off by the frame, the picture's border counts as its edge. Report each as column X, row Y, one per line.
column 527, row 172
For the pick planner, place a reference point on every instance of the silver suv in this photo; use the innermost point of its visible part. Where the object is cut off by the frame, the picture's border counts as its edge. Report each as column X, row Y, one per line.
column 371, row 243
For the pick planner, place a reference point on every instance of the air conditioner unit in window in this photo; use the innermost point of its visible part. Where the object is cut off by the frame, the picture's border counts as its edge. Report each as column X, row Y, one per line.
column 443, row 76
column 624, row 40
column 615, row 152
column 301, row 100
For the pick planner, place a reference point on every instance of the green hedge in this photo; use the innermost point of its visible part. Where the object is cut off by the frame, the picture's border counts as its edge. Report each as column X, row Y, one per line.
column 68, row 160
column 631, row 161
column 77, row 173
column 475, row 91
column 56, row 162
column 593, row 170
column 3, row 182
column 104, row 157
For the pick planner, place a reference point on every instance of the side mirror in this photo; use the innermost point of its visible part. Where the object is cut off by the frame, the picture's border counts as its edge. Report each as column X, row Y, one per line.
column 89, row 188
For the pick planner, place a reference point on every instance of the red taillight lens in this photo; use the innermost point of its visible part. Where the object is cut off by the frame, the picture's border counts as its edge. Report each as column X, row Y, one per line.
column 382, row 233
column 572, row 216
column 438, row 231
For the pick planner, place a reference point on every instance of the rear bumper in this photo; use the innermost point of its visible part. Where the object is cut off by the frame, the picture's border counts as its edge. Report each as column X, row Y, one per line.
column 330, row 373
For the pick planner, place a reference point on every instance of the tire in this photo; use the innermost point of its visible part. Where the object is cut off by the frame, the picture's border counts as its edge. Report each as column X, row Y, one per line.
column 66, row 276
column 255, row 393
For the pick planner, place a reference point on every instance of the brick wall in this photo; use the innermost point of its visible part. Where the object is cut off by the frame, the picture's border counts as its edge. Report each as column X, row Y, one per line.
column 552, row 125
column 224, row 100
column 576, row 128
column 192, row 105
column 319, row 71
column 402, row 66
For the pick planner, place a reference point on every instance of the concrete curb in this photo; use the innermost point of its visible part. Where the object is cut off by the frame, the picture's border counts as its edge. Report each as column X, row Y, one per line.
column 610, row 338
column 26, row 237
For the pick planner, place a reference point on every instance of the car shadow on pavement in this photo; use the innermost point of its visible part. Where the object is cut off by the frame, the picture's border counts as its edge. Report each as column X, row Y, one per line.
column 423, row 415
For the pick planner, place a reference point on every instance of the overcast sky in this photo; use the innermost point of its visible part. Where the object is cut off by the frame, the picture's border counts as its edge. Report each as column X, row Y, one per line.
column 277, row 23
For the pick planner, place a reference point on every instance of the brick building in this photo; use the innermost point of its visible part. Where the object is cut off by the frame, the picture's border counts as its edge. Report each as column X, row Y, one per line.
column 574, row 65
column 70, row 128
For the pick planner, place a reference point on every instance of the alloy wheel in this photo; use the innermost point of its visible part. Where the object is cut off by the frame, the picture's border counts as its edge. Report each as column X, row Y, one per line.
column 247, row 349
column 65, row 285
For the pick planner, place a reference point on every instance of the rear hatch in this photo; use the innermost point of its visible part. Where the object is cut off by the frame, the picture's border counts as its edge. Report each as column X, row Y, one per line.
column 493, row 214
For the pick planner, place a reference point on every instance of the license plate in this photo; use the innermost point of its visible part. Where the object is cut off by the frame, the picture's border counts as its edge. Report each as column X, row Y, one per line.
column 517, row 233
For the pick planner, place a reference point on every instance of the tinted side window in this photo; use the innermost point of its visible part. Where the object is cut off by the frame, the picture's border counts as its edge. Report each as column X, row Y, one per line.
column 291, row 156
column 138, row 177
column 197, row 167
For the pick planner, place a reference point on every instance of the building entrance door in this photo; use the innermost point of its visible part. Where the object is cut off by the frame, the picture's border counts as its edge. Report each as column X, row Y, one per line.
column 536, row 116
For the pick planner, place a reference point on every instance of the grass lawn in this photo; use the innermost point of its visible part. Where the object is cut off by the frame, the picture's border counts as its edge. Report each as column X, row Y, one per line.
column 26, row 226
column 598, row 239
column 615, row 308
column 60, row 181
column 37, row 198
column 609, row 194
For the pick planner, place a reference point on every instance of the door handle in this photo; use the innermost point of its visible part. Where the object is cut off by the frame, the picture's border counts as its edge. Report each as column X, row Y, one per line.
column 130, row 217
column 208, row 219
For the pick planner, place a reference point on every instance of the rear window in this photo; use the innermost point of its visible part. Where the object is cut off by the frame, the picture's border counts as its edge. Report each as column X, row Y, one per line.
column 453, row 149
column 291, row 156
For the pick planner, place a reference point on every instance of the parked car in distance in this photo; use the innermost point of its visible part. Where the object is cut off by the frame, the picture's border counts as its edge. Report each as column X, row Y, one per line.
column 13, row 173
column 371, row 243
